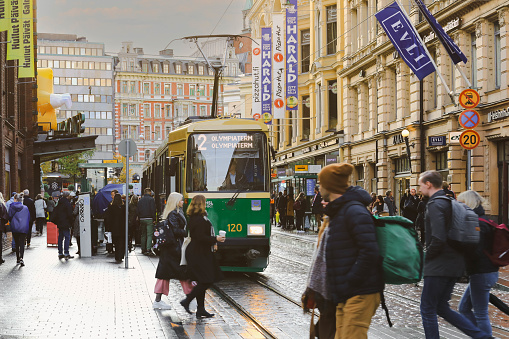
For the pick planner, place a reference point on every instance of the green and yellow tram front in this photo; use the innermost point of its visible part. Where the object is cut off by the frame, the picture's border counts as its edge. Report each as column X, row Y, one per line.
column 231, row 169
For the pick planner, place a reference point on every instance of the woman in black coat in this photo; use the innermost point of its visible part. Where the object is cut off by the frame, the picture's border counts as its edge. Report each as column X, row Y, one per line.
column 170, row 252
column 115, row 217
column 300, row 207
column 201, row 263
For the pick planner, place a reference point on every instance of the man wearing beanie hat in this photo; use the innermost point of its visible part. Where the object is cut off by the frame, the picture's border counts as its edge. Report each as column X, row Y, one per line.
column 354, row 270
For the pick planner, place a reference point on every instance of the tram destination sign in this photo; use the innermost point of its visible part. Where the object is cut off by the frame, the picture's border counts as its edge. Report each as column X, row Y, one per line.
column 206, row 142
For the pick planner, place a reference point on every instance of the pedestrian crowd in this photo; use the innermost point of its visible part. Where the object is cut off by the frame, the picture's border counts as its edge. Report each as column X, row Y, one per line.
column 346, row 280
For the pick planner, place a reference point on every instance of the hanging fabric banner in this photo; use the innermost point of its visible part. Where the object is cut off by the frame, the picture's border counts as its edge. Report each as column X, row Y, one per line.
column 267, row 75
column 257, row 79
column 452, row 49
column 14, row 51
column 278, row 52
column 405, row 39
column 26, row 63
column 292, row 81
column 5, row 14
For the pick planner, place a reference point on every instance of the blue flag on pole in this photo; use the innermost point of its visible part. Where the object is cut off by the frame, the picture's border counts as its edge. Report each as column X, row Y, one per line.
column 405, row 39
column 451, row 48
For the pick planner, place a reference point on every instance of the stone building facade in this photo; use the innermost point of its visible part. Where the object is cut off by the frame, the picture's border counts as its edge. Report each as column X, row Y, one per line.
column 382, row 97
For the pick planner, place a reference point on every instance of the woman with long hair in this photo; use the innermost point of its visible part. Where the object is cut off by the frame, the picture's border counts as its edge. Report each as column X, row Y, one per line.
column 115, row 214
column 482, row 272
column 3, row 220
column 170, row 252
column 201, row 263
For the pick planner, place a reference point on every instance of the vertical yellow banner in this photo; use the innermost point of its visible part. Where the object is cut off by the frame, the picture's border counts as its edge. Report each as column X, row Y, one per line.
column 5, row 14
column 14, row 37
column 26, row 63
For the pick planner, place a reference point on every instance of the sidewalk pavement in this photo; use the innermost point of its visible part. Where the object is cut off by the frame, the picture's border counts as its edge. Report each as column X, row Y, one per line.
column 97, row 298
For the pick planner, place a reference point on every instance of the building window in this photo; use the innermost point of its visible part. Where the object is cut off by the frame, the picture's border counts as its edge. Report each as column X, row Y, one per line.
column 192, row 90
column 193, row 110
column 157, row 88
column 178, row 68
column 167, row 109
column 190, row 69
column 473, row 59
column 359, row 171
column 201, row 90
column 148, row 136
column 124, row 109
column 146, row 110
column 333, row 104
column 305, row 38
column 441, row 158
column 331, row 29
column 497, row 60
column 157, row 111
column 146, row 88
column 402, row 164
column 144, row 67
column 155, row 67
column 133, row 87
column 124, row 86
column 132, row 110
column 185, row 110
column 203, row 111
column 200, row 69
column 306, row 122
column 158, row 133
column 167, row 89
column 166, row 68
column 180, row 89
column 147, row 154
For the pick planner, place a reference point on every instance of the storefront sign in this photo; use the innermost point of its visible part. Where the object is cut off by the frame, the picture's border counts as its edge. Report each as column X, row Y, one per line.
column 397, row 139
column 292, row 57
column 278, row 68
column 314, row 168
column 257, row 80
column 497, row 115
column 281, row 172
column 267, row 75
column 301, row 168
column 449, row 26
column 454, row 137
column 437, row 141
column 330, row 159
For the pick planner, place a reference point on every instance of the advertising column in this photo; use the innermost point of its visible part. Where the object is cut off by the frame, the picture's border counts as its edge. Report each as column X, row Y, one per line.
column 267, row 75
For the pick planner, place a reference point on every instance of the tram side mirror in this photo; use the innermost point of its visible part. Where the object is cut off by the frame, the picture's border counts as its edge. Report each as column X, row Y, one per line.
column 173, row 166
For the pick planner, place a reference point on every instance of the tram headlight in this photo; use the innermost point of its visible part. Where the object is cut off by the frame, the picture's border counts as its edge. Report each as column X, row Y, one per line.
column 255, row 230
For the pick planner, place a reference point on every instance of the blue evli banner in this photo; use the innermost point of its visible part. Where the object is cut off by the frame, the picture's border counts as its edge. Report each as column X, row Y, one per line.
column 404, row 38
column 451, row 48
column 267, row 75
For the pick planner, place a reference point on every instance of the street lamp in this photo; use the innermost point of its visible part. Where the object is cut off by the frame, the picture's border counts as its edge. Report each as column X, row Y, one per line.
column 405, row 133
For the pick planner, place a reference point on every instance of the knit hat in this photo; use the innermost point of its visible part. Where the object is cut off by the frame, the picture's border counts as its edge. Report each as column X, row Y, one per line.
column 334, row 177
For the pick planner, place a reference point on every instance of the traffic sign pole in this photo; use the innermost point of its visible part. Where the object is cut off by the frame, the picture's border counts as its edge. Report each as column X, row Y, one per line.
column 469, row 119
column 469, row 169
column 127, row 206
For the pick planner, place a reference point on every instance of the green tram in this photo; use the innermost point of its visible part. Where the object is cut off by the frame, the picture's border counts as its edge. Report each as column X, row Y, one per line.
column 227, row 161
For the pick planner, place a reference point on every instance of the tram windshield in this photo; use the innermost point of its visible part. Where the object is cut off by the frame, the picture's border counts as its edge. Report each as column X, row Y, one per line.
column 227, row 162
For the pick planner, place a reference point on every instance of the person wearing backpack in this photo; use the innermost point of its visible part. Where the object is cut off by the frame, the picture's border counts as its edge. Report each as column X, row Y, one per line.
column 482, row 272
column 443, row 265
column 352, row 255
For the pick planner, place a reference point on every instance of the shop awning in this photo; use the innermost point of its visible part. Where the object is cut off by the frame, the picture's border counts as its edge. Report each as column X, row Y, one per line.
column 48, row 150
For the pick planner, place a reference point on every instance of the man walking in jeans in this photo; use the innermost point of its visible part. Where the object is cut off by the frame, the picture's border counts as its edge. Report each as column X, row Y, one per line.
column 147, row 215
column 63, row 218
column 443, row 265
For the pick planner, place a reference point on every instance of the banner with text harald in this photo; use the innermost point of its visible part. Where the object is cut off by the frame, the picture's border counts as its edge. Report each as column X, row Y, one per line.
column 404, row 38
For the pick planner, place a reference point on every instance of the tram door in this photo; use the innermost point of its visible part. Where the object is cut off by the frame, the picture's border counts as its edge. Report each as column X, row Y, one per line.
column 401, row 185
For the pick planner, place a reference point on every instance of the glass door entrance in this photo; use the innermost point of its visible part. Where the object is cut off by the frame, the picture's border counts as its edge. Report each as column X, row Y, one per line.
column 402, row 184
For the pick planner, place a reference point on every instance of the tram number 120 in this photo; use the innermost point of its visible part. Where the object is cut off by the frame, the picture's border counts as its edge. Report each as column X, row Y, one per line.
column 234, row 227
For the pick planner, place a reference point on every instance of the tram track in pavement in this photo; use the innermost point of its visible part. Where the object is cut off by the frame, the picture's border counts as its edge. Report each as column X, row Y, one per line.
column 500, row 331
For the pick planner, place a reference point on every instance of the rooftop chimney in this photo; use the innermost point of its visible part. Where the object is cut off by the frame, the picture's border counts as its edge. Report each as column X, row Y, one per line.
column 167, row 52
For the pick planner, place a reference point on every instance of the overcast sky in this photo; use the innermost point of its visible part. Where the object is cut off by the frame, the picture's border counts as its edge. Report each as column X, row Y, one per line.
column 150, row 24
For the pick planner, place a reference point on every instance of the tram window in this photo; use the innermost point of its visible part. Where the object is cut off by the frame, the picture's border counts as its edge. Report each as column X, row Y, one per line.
column 227, row 162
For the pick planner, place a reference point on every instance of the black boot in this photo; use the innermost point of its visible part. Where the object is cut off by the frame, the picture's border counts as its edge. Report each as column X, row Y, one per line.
column 185, row 304
column 201, row 313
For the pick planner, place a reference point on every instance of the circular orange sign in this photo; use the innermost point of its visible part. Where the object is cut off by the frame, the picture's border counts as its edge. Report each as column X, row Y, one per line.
column 257, row 116
column 278, row 57
column 257, row 51
column 279, row 103
column 469, row 139
column 469, row 98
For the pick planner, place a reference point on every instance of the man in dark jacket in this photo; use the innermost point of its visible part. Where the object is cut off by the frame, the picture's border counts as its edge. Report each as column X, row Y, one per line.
column 410, row 205
column 391, row 204
column 443, row 265
column 29, row 202
column 19, row 217
column 354, row 270
column 317, row 207
column 63, row 218
column 147, row 215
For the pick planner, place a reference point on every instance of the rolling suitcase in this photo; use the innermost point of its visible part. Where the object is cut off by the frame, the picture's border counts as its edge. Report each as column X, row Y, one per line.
column 51, row 234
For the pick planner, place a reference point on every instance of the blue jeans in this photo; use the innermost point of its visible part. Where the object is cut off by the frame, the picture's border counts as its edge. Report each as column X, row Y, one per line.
column 477, row 296
column 435, row 297
column 61, row 235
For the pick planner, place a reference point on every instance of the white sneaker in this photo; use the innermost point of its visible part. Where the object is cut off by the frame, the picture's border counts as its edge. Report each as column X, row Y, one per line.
column 161, row 305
